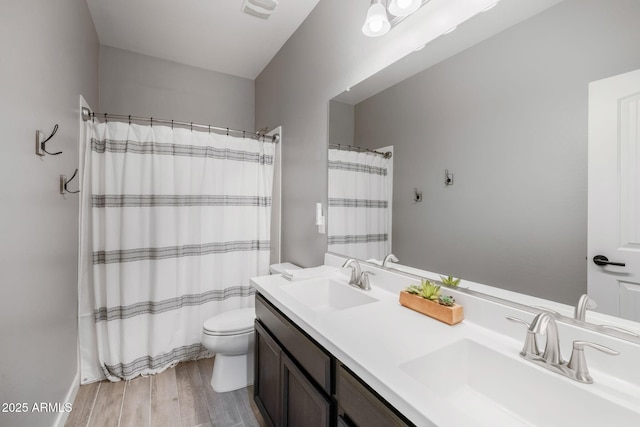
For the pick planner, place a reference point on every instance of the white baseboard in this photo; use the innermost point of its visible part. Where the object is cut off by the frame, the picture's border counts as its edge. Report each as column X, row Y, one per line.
column 69, row 398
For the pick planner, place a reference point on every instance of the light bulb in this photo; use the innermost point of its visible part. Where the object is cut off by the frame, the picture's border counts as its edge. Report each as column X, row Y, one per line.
column 375, row 26
column 377, row 22
column 404, row 7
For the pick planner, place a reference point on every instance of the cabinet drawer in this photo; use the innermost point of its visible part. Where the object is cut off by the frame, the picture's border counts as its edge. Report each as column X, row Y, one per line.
column 309, row 355
column 361, row 407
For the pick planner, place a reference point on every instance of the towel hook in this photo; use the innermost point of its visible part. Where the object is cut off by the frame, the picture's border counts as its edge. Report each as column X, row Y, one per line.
column 40, row 146
column 417, row 195
column 448, row 177
column 64, row 182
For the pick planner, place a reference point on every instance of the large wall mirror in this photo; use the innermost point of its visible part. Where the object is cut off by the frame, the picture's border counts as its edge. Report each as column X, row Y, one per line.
column 507, row 119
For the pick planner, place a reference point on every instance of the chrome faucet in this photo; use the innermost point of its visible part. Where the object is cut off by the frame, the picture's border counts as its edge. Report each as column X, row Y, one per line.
column 551, row 359
column 391, row 257
column 586, row 302
column 358, row 277
column 544, row 324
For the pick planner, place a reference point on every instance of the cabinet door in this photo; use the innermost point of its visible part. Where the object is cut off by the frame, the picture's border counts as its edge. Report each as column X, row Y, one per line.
column 266, row 384
column 359, row 407
column 303, row 404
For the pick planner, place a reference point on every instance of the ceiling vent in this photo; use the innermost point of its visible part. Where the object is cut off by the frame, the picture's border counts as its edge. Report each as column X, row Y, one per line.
column 259, row 8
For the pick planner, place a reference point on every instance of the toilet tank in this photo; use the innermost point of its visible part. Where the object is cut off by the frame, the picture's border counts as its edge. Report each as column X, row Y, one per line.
column 280, row 268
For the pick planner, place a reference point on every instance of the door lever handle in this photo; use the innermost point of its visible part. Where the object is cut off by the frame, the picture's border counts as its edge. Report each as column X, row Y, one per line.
column 603, row 260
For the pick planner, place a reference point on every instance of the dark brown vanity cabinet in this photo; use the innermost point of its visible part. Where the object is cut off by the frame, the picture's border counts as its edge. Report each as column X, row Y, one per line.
column 292, row 379
column 267, row 376
column 305, row 404
column 359, row 406
column 297, row 383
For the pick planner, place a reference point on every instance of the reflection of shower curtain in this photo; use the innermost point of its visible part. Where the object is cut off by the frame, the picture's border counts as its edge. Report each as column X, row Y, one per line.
column 173, row 224
column 359, row 222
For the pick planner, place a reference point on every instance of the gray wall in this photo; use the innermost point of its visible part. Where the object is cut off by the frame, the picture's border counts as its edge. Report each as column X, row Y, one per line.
column 327, row 54
column 509, row 118
column 341, row 123
column 49, row 57
column 141, row 85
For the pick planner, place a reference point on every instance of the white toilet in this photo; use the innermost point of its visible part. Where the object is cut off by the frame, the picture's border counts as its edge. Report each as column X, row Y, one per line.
column 230, row 336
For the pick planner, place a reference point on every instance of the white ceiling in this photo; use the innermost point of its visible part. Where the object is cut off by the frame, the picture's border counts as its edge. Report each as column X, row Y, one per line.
column 211, row 34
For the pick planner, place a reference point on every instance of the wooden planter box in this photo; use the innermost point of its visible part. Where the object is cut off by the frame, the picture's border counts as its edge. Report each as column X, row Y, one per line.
column 448, row 315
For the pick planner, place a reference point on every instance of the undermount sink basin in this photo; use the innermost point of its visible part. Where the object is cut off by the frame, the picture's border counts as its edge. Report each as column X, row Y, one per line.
column 492, row 389
column 326, row 295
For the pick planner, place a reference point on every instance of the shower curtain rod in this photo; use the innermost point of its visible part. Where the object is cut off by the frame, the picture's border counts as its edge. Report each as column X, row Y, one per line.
column 386, row 155
column 88, row 114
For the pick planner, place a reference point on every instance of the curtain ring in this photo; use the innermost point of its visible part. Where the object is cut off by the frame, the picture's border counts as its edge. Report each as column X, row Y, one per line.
column 129, row 119
column 105, row 118
column 209, row 128
column 191, row 126
column 227, row 131
column 151, row 119
column 171, row 124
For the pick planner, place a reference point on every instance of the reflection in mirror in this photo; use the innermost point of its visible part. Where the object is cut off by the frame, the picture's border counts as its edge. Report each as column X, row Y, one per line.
column 508, row 117
column 360, row 198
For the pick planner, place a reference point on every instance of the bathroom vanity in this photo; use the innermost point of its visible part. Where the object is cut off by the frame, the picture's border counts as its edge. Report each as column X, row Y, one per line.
column 298, row 382
column 329, row 354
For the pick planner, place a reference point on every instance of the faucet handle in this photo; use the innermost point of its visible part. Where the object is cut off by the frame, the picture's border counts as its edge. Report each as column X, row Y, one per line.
column 547, row 309
column 619, row 329
column 516, row 319
column 578, row 363
column 530, row 347
column 366, row 280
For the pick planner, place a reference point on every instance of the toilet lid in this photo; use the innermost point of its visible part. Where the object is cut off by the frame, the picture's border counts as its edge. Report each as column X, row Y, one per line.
column 231, row 322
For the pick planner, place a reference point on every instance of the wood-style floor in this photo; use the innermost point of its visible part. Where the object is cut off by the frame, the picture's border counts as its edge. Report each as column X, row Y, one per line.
column 180, row 397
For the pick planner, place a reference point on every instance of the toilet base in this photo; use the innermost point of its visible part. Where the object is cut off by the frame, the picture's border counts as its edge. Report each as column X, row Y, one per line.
column 232, row 372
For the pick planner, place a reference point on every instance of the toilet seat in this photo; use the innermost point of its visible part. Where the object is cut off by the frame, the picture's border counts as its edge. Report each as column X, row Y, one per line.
column 234, row 322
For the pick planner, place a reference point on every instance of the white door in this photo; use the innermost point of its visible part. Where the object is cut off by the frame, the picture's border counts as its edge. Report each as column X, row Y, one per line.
column 614, row 194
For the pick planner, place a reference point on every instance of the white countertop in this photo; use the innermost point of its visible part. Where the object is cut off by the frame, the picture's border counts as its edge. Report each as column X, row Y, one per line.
column 375, row 339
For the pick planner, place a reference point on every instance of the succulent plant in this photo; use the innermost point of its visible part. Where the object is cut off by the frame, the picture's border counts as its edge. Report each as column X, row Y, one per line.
column 446, row 300
column 450, row 281
column 427, row 290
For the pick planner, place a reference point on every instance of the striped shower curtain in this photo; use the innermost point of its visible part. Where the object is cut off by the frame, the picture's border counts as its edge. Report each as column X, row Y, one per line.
column 174, row 223
column 359, row 223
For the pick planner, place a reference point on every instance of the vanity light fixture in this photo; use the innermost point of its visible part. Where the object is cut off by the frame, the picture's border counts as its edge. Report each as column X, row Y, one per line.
column 382, row 15
column 404, row 7
column 377, row 22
